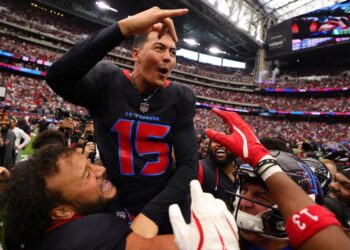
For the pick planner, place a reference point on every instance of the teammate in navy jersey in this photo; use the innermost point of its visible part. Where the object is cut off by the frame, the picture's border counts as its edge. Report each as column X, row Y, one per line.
column 216, row 173
column 139, row 117
column 57, row 200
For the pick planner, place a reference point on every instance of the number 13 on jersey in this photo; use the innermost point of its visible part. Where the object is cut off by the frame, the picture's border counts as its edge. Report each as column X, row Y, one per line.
column 142, row 144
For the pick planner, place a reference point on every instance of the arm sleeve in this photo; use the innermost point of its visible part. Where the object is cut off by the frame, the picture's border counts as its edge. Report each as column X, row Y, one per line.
column 186, row 162
column 25, row 137
column 75, row 77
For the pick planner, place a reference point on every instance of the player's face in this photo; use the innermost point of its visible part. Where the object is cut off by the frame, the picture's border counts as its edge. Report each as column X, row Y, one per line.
column 257, row 193
column 340, row 187
column 81, row 183
column 156, row 58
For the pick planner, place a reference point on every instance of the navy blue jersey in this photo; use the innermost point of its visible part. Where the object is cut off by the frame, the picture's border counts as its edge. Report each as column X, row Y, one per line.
column 135, row 143
column 215, row 181
column 91, row 232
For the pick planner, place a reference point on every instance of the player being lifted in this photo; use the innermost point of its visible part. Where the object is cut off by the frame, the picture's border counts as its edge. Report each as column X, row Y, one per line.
column 139, row 117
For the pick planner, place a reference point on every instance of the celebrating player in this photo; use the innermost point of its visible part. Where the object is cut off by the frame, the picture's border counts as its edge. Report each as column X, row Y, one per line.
column 309, row 226
column 138, row 117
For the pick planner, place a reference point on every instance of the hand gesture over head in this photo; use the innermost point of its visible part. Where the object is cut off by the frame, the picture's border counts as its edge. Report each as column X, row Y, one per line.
column 154, row 18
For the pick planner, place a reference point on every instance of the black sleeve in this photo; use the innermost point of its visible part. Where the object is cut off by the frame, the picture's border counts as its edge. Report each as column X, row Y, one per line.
column 74, row 76
column 93, row 231
column 186, row 161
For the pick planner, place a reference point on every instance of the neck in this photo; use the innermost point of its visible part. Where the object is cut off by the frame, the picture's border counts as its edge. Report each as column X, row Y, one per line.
column 228, row 170
column 141, row 85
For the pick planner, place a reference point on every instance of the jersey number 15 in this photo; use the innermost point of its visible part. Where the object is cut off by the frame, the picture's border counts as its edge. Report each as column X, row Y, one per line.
column 143, row 146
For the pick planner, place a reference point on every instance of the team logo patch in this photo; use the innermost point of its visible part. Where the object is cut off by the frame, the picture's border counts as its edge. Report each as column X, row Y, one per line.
column 120, row 214
column 144, row 107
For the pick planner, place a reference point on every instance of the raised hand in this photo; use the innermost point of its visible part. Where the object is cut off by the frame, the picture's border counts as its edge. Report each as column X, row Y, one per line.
column 242, row 142
column 212, row 225
column 154, row 18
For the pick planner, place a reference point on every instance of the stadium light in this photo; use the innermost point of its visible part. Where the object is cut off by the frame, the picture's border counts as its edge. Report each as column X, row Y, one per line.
column 191, row 41
column 215, row 50
column 102, row 5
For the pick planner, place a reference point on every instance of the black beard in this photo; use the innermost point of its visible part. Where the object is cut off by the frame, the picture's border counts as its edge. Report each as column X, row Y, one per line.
column 92, row 207
column 221, row 163
column 4, row 130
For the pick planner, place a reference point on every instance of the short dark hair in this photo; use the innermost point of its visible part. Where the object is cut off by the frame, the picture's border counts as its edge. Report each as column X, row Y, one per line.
column 49, row 137
column 26, row 201
column 13, row 119
column 140, row 40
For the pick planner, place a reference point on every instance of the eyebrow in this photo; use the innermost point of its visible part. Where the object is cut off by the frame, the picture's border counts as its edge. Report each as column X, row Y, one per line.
column 263, row 193
column 162, row 44
column 341, row 178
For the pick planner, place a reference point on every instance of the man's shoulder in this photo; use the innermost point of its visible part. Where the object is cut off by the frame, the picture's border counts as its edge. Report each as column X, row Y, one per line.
column 184, row 91
column 180, row 86
column 105, row 67
column 114, row 77
column 18, row 130
column 88, row 232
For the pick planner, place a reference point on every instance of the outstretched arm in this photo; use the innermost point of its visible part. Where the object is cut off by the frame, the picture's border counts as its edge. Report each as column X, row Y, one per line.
column 75, row 77
column 296, row 207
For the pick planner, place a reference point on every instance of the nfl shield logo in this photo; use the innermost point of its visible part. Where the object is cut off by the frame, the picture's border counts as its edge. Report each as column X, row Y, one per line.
column 144, row 107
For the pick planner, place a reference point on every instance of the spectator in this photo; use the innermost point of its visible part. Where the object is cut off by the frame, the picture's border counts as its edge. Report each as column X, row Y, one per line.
column 216, row 173
column 7, row 143
column 22, row 139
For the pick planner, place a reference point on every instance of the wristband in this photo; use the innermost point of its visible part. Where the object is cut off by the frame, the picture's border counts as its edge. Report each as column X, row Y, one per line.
column 307, row 222
column 268, row 167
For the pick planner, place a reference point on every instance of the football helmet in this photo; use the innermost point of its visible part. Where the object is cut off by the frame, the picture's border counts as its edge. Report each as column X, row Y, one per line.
column 335, row 151
column 321, row 171
column 270, row 223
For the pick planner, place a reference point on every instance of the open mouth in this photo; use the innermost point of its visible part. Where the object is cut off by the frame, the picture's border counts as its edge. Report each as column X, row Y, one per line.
column 106, row 185
column 163, row 71
column 220, row 152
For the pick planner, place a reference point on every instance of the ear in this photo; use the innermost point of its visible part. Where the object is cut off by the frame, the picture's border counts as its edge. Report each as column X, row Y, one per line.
column 62, row 212
column 136, row 54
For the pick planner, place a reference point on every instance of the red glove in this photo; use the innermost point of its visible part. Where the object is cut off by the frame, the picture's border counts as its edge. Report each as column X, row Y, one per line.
column 242, row 142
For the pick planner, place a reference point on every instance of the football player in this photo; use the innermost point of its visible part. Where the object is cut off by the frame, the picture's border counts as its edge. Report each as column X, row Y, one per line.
column 139, row 116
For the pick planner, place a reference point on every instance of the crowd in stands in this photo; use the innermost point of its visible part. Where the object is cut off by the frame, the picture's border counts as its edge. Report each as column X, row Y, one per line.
column 29, row 95
column 32, row 95
column 226, row 95
column 55, row 25
column 312, row 70
column 329, row 104
column 291, row 131
column 76, row 31
column 73, row 181
column 300, row 83
column 336, row 104
column 22, row 48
